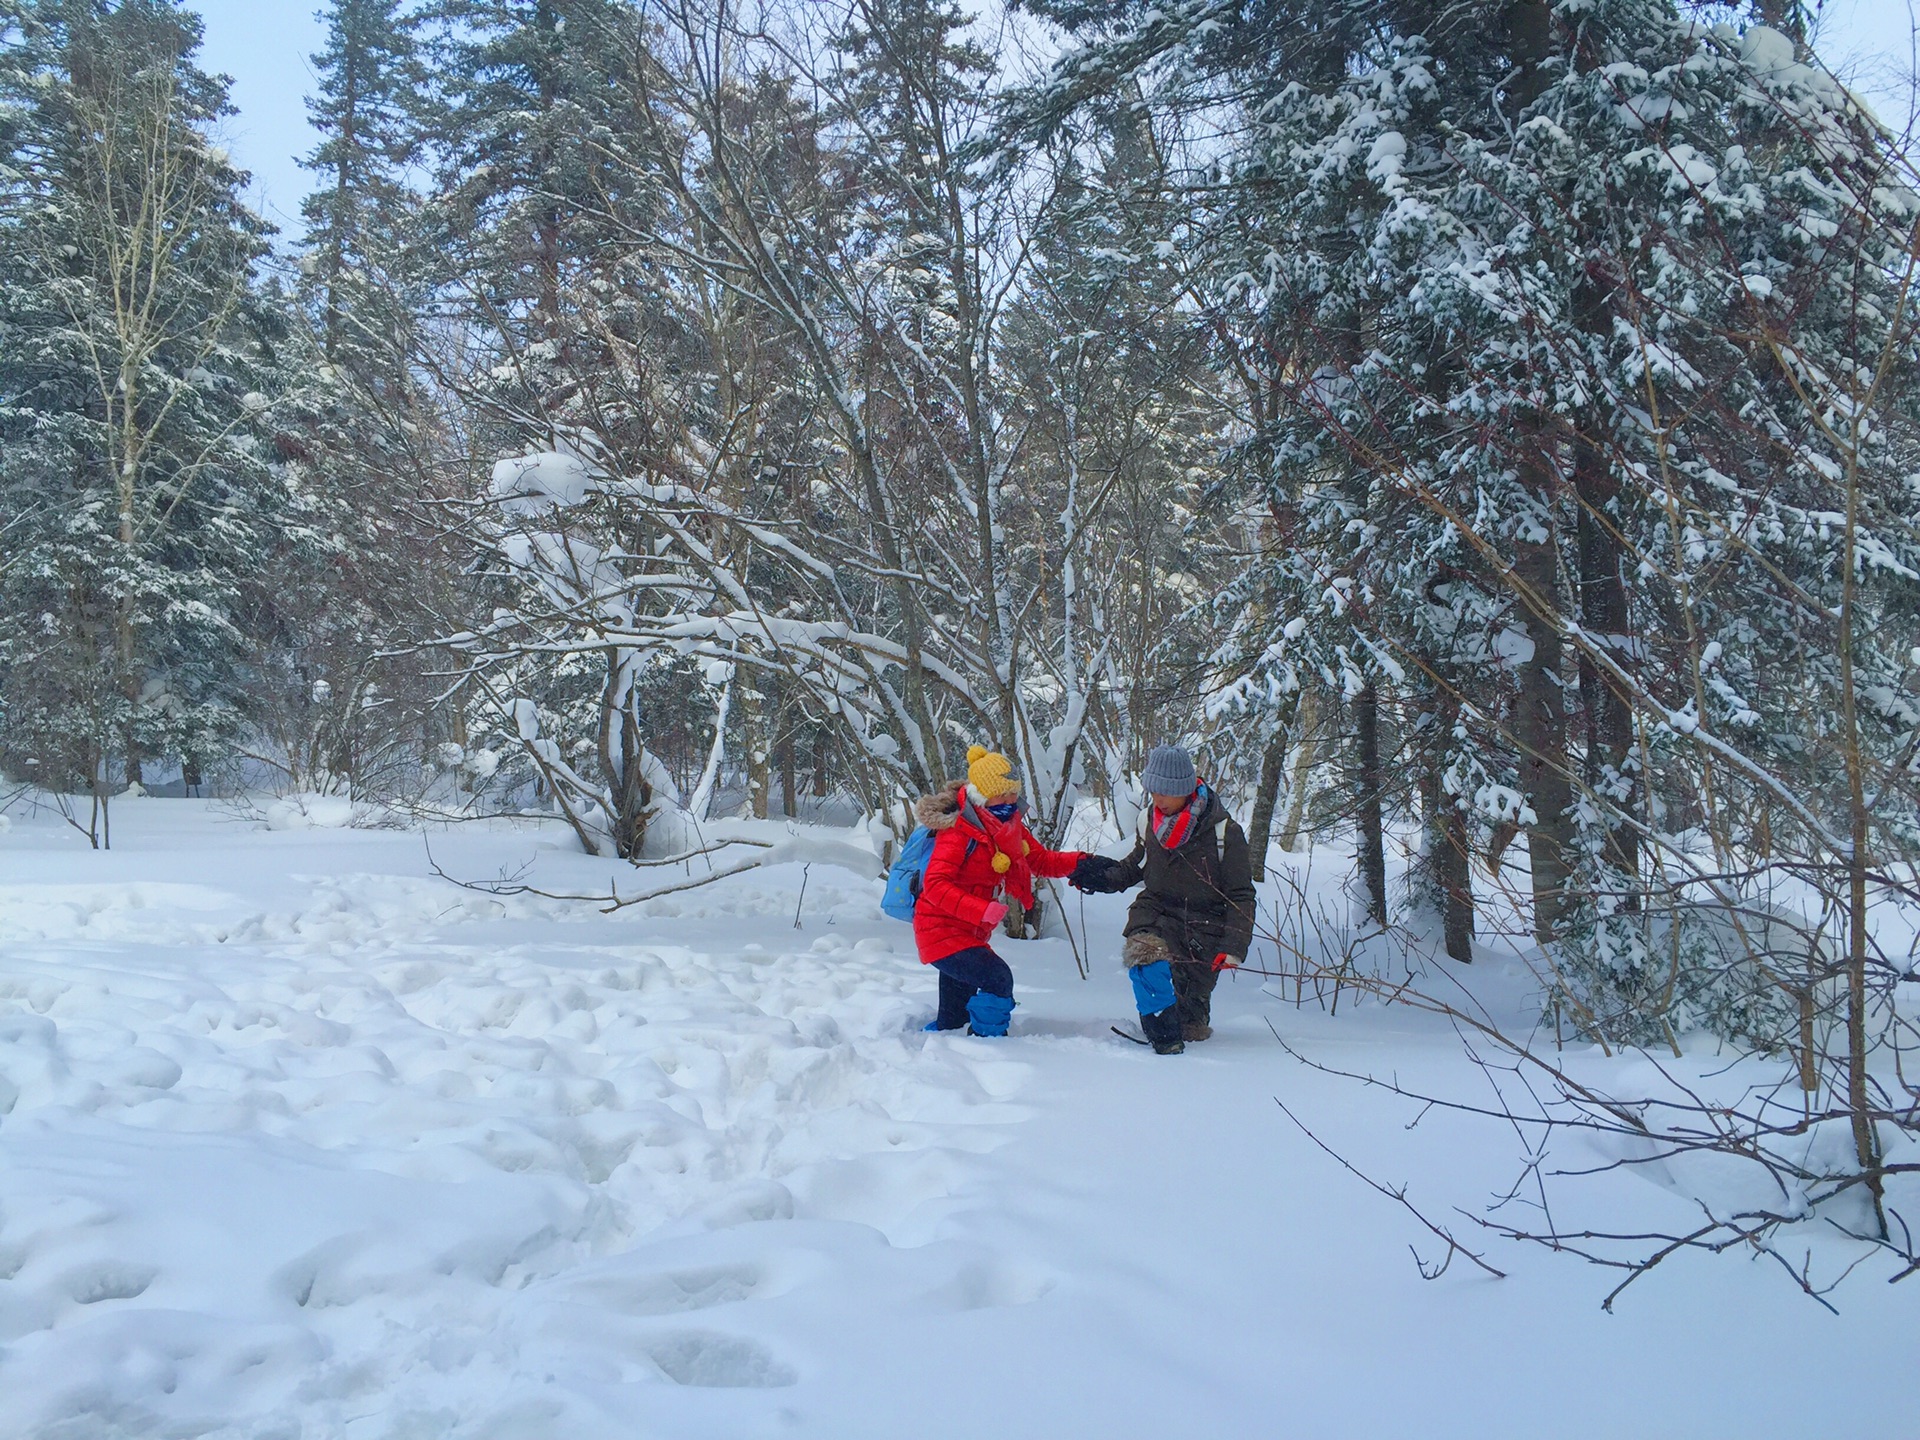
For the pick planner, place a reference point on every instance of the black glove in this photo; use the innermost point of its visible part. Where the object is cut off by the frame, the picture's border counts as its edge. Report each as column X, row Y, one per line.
column 1094, row 874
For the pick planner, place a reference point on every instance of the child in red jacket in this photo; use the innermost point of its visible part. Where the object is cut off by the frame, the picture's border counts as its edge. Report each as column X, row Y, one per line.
column 982, row 852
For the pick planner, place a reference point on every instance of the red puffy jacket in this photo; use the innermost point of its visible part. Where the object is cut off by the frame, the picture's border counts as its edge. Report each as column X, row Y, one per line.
column 961, row 882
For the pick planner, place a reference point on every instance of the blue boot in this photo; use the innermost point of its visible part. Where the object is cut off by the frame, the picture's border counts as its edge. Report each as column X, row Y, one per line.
column 989, row 1014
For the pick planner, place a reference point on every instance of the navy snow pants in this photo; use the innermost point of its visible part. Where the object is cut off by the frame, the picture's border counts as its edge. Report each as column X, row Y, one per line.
column 965, row 974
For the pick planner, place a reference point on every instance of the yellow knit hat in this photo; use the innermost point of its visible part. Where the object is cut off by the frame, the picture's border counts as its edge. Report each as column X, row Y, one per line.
column 991, row 774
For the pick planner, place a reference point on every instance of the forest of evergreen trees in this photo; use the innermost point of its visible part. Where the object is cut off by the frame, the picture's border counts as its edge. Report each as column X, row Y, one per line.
column 1488, row 428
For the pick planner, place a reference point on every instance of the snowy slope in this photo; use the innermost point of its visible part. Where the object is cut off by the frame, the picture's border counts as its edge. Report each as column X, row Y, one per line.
column 300, row 1141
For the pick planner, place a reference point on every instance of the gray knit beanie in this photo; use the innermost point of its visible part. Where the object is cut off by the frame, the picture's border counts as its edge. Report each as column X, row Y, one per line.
column 1169, row 771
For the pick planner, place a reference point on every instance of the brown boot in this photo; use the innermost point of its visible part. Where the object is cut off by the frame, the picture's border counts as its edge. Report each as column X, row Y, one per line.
column 1191, row 1032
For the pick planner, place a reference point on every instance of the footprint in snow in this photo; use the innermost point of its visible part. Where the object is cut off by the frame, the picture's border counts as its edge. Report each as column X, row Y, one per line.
column 1000, row 1079
column 674, row 1292
column 993, row 1285
column 107, row 1280
column 711, row 1361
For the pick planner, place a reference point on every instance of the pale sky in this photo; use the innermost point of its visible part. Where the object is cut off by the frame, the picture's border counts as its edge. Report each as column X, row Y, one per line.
column 264, row 46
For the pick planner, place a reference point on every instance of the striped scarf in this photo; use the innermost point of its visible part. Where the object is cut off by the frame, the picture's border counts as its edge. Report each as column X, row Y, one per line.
column 1172, row 830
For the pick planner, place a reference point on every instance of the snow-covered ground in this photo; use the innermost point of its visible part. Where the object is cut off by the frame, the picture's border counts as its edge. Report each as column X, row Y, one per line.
column 297, row 1140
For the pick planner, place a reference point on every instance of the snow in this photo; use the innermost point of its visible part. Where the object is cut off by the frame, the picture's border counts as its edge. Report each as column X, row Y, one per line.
column 298, row 1140
column 1767, row 50
column 1386, row 158
column 1513, row 648
column 530, row 484
column 313, row 812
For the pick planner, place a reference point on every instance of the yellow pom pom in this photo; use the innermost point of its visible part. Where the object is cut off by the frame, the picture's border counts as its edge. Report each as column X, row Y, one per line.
column 974, row 752
column 1001, row 863
column 1025, row 849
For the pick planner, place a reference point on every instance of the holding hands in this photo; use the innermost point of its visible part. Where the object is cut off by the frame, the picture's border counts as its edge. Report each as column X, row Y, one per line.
column 1094, row 875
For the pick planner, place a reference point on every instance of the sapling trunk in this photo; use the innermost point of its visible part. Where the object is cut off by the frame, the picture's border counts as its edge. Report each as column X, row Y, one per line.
column 1446, row 841
column 789, row 779
column 1866, row 1143
column 1604, row 613
column 1308, row 727
column 1541, row 730
column 1369, row 783
column 1273, row 767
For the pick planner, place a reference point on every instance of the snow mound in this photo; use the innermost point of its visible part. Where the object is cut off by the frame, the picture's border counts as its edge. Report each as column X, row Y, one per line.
column 146, row 910
column 308, row 811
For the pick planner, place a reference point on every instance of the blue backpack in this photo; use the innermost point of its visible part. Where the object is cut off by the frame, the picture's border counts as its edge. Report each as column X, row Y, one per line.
column 905, row 875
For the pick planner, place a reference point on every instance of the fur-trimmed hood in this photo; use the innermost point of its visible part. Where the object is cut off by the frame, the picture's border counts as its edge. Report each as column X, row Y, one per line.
column 979, row 865
column 938, row 811
column 942, row 809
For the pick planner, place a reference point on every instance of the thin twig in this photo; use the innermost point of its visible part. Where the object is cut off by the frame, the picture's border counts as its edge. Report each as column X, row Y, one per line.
column 1454, row 1247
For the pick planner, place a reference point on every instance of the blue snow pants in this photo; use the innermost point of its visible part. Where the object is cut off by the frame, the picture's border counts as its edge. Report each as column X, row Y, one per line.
column 1152, row 987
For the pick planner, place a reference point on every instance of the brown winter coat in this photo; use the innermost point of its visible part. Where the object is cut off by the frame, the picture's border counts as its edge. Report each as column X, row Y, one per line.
column 1198, row 899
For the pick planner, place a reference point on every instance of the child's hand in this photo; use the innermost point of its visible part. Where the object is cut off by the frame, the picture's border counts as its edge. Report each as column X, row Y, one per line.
column 996, row 912
column 1225, row 962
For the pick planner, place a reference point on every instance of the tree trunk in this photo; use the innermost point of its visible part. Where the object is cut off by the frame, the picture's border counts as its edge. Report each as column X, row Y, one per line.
column 1456, row 883
column 1445, row 842
column 1273, row 769
column 347, row 141
column 457, row 727
column 1369, row 782
column 1541, row 721
column 99, row 814
column 126, row 650
column 822, row 752
column 622, row 760
column 135, row 770
column 1866, row 1139
column 1541, row 732
column 1308, row 718
column 789, row 780
column 1610, row 767
column 754, row 712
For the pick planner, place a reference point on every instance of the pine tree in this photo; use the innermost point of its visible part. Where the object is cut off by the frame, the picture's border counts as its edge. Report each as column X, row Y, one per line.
column 340, row 699
column 1564, row 306
column 1124, row 422
column 542, row 187
column 137, row 373
column 532, row 121
column 362, row 219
